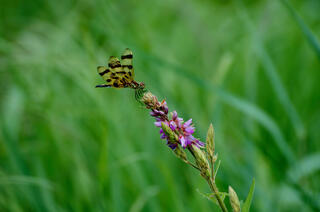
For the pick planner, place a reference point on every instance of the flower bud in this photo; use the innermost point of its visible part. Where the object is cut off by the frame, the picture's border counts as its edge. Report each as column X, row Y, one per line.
column 180, row 153
column 210, row 146
column 150, row 100
column 172, row 136
column 201, row 161
column 234, row 200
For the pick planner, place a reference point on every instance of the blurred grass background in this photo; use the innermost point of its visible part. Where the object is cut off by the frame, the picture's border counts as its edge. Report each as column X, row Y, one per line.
column 251, row 68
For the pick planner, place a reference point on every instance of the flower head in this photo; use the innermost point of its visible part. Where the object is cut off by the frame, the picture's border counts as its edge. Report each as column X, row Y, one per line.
column 183, row 130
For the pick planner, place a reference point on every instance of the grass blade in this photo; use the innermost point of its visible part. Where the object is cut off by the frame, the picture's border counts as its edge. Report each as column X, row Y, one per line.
column 272, row 73
column 246, row 205
column 313, row 41
column 306, row 166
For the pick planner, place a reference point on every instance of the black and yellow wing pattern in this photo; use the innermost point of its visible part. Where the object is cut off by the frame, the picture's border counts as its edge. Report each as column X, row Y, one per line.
column 126, row 62
column 118, row 75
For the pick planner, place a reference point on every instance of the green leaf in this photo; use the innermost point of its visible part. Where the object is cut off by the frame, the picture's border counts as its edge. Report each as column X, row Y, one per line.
column 211, row 197
column 216, row 170
column 246, row 205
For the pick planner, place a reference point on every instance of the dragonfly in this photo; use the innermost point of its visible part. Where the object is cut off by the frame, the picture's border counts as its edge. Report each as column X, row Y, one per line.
column 120, row 74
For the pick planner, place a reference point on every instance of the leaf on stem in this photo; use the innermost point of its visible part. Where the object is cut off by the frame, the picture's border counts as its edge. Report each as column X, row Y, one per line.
column 246, row 205
column 211, row 197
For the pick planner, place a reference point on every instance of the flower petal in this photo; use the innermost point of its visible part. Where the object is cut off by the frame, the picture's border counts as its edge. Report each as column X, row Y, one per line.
column 189, row 130
column 161, row 113
column 163, row 136
column 179, row 122
column 198, row 143
column 182, row 141
column 187, row 123
column 158, row 123
column 153, row 113
column 172, row 145
column 174, row 115
column 173, row 125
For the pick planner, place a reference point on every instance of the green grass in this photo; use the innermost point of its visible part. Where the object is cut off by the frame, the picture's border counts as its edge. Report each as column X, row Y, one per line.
column 251, row 68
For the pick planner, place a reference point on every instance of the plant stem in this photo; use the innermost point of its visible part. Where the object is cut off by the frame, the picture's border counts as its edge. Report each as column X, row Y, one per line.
column 215, row 190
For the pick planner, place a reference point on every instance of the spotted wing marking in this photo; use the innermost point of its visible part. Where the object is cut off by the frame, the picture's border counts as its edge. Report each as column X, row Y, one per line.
column 105, row 73
column 118, row 75
column 126, row 62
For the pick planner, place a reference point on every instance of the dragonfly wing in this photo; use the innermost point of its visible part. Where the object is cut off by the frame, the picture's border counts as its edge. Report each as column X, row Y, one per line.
column 126, row 62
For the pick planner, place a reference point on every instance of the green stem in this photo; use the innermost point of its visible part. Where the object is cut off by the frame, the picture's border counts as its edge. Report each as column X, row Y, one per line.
column 211, row 182
column 215, row 190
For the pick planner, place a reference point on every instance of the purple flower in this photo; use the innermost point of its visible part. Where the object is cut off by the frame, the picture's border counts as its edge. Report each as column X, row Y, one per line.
column 185, row 130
